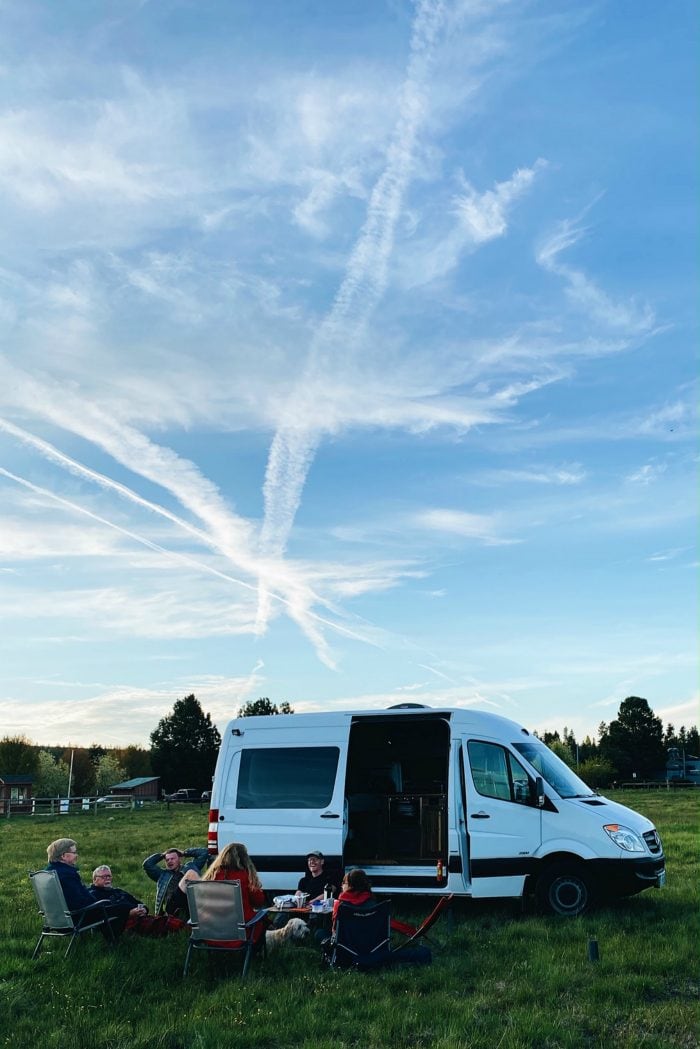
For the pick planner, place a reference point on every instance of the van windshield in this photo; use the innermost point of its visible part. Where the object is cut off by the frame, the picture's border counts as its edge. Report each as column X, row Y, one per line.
column 552, row 769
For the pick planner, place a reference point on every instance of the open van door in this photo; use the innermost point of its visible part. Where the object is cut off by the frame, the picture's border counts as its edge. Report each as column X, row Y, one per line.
column 282, row 793
column 504, row 819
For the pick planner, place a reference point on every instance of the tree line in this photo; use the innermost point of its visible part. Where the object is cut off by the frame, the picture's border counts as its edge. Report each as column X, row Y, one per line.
column 634, row 745
column 183, row 751
column 185, row 745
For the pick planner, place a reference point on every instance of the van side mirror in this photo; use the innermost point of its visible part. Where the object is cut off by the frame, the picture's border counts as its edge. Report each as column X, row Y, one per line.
column 539, row 791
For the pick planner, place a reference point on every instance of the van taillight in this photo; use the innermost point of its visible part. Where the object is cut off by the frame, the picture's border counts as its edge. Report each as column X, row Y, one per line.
column 213, row 832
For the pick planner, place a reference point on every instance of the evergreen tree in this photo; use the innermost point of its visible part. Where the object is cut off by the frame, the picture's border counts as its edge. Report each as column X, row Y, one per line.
column 184, row 747
column 634, row 741
column 136, row 761
column 263, row 706
column 18, row 756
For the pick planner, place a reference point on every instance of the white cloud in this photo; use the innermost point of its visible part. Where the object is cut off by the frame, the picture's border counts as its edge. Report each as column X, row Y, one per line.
column 646, row 474
column 632, row 320
column 460, row 523
column 480, row 218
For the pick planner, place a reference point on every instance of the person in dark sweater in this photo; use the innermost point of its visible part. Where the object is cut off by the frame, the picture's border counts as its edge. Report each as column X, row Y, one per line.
column 103, row 889
column 63, row 857
column 317, row 877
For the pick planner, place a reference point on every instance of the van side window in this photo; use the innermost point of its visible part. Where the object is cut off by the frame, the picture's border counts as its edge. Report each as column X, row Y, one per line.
column 497, row 774
column 287, row 777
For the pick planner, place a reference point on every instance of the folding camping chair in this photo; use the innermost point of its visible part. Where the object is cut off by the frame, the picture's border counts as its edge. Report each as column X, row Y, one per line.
column 218, row 922
column 413, row 932
column 58, row 920
column 361, row 938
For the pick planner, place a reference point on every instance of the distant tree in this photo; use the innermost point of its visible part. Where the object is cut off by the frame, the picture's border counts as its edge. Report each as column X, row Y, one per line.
column 136, row 761
column 563, row 752
column 108, row 771
column 18, row 756
column 83, row 778
column 96, row 751
column 52, row 776
column 633, row 742
column 184, row 746
column 587, row 750
column 692, row 742
column 263, row 706
column 596, row 772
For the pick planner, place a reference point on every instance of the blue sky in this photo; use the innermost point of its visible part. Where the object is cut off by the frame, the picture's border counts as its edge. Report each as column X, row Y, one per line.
column 347, row 357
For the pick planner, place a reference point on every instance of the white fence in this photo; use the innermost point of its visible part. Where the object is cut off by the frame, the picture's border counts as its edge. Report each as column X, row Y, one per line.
column 70, row 806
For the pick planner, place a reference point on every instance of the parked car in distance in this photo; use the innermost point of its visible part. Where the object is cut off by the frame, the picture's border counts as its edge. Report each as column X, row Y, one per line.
column 184, row 794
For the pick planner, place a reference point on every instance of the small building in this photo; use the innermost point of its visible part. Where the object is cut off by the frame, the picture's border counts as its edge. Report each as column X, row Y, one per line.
column 15, row 793
column 144, row 788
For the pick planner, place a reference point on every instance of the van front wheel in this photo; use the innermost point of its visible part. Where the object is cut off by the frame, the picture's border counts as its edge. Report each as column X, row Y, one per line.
column 565, row 889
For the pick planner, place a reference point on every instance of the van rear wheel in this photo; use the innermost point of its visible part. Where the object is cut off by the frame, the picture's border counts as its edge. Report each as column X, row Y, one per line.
column 565, row 889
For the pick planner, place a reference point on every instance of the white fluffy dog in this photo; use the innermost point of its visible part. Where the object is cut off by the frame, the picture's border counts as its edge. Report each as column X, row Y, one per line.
column 295, row 929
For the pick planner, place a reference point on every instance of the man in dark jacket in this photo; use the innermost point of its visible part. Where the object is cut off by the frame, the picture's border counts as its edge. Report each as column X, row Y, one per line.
column 169, row 898
column 103, row 889
column 63, row 856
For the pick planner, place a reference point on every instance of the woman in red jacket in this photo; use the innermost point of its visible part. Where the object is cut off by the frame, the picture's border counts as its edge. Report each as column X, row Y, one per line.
column 356, row 890
column 234, row 864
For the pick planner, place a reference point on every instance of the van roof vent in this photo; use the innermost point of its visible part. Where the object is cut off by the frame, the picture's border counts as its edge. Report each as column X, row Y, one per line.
column 409, row 706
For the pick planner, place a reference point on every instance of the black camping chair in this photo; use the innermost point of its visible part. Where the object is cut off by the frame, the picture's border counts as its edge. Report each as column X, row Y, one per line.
column 361, row 938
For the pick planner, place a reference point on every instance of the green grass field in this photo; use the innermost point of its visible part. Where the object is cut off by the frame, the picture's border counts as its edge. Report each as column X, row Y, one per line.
column 503, row 979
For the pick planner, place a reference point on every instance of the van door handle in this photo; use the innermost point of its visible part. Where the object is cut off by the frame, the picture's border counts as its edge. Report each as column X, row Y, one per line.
column 481, row 816
column 330, row 816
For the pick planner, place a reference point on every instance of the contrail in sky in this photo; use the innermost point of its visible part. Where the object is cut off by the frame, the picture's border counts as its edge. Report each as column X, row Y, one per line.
column 296, row 440
column 172, row 555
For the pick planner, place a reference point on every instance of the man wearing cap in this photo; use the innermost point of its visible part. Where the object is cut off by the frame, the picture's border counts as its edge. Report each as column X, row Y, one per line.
column 317, row 877
column 169, row 899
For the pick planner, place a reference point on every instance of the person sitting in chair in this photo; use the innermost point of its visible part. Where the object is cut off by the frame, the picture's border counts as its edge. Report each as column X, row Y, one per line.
column 62, row 855
column 169, row 897
column 234, row 864
column 356, row 890
column 316, row 878
column 103, row 889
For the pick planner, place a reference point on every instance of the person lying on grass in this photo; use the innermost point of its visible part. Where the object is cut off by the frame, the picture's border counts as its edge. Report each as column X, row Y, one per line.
column 169, row 898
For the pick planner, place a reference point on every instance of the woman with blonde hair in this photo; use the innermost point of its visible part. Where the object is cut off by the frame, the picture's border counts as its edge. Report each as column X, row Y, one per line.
column 234, row 864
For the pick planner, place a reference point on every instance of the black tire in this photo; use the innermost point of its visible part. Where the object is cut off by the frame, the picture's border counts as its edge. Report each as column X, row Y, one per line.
column 565, row 889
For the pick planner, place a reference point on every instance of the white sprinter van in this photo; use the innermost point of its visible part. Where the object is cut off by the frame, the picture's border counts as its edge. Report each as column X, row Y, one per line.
column 426, row 801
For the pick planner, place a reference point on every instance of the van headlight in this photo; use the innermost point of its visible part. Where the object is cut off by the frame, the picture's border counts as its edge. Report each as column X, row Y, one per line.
column 624, row 837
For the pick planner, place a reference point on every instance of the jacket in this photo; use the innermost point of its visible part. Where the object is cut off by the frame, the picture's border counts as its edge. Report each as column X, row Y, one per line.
column 114, row 896
column 77, row 895
column 252, row 899
column 198, row 859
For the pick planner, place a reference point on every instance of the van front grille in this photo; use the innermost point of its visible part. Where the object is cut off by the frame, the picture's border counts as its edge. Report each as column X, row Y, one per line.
column 652, row 840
